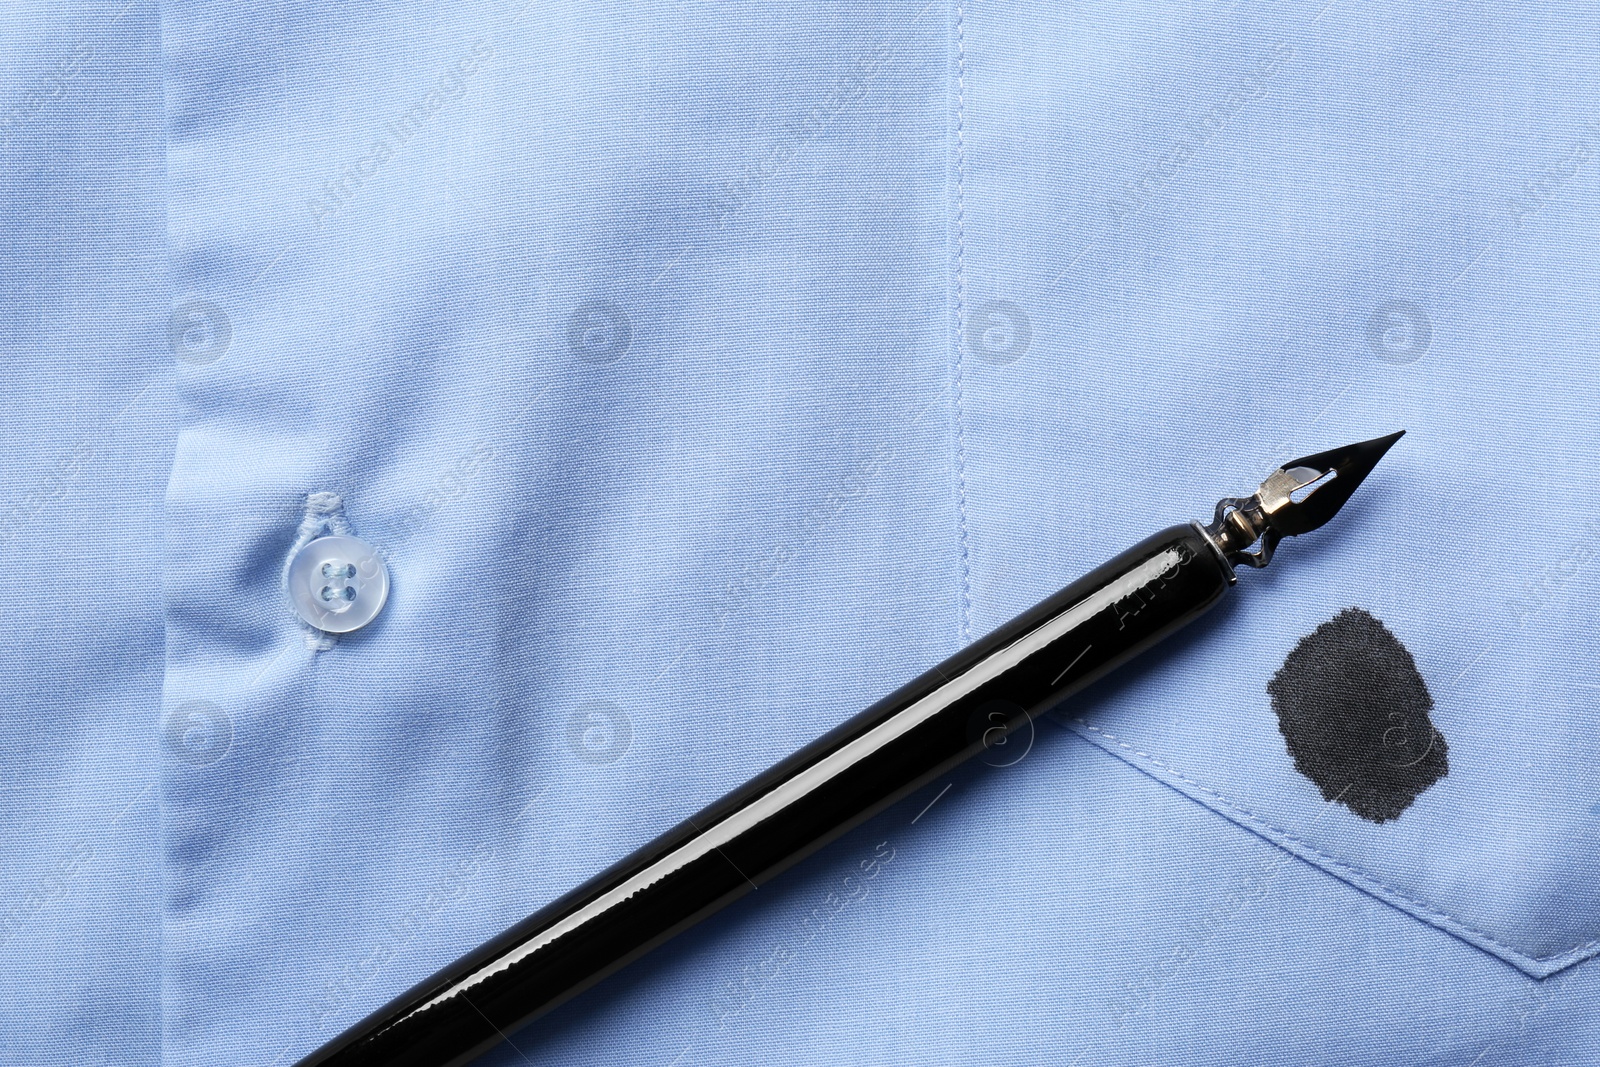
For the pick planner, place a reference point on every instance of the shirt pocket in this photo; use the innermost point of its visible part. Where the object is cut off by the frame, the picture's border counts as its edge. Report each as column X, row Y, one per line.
column 1478, row 821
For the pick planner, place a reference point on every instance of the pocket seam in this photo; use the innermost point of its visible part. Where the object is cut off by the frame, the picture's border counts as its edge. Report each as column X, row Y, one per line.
column 1537, row 966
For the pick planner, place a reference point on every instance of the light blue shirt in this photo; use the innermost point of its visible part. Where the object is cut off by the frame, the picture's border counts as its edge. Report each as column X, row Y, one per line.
column 702, row 372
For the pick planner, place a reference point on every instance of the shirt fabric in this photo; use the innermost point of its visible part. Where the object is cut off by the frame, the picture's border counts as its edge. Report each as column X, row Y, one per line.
column 705, row 371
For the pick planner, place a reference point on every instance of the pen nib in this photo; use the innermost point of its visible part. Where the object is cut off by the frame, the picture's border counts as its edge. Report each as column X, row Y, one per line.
column 1333, row 477
column 1297, row 498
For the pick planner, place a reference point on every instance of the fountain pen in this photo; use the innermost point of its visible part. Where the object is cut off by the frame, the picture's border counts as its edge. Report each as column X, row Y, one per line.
column 899, row 744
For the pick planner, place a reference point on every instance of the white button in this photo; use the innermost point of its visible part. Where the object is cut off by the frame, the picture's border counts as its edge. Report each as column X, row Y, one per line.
column 338, row 583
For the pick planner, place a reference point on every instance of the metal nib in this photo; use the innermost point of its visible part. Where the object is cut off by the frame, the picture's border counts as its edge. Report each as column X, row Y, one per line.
column 1297, row 498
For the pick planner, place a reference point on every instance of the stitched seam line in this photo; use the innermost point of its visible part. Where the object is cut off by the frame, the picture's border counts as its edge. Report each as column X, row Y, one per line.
column 961, row 325
column 1252, row 819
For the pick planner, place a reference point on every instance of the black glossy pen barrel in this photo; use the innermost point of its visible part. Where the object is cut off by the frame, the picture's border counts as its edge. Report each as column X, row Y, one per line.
column 894, row 747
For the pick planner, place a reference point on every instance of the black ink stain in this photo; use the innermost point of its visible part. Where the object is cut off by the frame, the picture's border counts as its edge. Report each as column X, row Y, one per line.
column 1354, row 713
